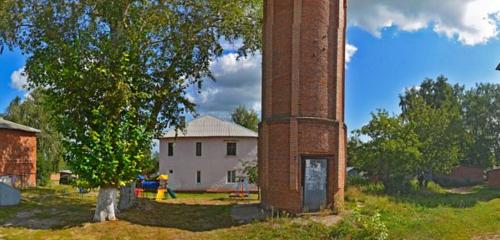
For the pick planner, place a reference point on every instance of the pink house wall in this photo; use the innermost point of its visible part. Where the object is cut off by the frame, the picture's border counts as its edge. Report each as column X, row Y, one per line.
column 213, row 163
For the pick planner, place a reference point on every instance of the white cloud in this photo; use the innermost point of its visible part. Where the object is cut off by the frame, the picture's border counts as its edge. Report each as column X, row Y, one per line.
column 469, row 21
column 19, row 80
column 231, row 46
column 238, row 82
column 350, row 50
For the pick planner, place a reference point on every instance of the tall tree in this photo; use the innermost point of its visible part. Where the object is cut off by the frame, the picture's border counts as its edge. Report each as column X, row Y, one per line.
column 434, row 110
column 482, row 122
column 117, row 72
column 245, row 117
column 391, row 152
column 34, row 113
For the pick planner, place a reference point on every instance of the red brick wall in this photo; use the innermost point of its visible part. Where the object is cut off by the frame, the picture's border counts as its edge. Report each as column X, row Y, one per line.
column 18, row 156
column 303, row 98
column 494, row 178
column 475, row 174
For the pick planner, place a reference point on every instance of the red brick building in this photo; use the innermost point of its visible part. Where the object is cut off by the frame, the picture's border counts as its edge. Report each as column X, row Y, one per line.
column 302, row 136
column 18, row 153
column 494, row 178
column 462, row 176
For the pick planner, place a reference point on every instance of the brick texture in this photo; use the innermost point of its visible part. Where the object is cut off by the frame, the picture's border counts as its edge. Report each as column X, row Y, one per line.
column 475, row 174
column 303, row 99
column 494, row 178
column 18, row 156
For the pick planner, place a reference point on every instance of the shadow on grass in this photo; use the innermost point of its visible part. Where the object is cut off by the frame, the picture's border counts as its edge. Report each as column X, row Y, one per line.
column 48, row 209
column 190, row 217
column 65, row 208
column 449, row 199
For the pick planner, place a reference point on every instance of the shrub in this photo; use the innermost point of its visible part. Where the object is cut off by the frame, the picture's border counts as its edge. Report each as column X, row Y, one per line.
column 450, row 182
column 356, row 180
column 361, row 225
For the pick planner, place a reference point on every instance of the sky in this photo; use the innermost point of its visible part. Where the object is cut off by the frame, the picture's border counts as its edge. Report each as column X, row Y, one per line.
column 392, row 45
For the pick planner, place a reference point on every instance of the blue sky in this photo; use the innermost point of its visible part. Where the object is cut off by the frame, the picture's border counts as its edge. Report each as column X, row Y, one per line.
column 393, row 45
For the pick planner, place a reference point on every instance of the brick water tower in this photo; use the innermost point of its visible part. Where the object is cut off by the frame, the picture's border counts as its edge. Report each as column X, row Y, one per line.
column 302, row 143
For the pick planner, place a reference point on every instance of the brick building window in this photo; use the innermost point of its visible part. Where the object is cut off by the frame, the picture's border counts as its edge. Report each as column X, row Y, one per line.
column 231, row 149
column 170, row 149
column 198, row 149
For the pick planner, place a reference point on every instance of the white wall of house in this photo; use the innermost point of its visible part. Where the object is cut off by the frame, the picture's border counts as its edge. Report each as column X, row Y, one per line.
column 213, row 164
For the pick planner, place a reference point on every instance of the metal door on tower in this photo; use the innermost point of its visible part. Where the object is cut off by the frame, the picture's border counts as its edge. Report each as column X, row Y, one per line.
column 315, row 184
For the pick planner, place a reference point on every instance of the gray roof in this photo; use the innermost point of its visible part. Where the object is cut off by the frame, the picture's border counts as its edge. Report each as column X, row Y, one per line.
column 4, row 124
column 208, row 126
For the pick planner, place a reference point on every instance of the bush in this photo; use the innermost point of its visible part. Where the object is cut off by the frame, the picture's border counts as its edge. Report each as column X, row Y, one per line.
column 42, row 171
column 450, row 183
column 356, row 180
column 398, row 185
column 361, row 225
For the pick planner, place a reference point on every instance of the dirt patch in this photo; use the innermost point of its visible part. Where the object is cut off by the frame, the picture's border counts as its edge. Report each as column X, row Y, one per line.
column 244, row 213
column 461, row 190
column 38, row 219
column 488, row 237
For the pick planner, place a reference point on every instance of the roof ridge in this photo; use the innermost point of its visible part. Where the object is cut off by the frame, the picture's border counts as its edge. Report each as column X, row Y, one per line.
column 6, row 124
column 230, row 122
column 211, row 126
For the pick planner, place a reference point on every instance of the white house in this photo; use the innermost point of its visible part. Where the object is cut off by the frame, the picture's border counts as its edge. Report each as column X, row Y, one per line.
column 207, row 155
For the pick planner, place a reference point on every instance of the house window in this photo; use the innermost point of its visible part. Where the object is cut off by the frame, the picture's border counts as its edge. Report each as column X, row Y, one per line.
column 198, row 149
column 231, row 149
column 170, row 149
column 171, row 171
column 231, row 176
column 198, row 177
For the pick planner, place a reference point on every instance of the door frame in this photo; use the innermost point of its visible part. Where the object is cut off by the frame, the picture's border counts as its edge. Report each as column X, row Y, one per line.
column 303, row 174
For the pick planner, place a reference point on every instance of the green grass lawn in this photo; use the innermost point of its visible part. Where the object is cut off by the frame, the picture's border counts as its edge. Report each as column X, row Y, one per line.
column 62, row 213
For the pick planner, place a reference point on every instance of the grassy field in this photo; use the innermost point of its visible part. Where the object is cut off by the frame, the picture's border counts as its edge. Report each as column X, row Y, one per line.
column 62, row 213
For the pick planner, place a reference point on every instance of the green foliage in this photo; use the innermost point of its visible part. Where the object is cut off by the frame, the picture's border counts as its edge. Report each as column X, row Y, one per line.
column 82, row 183
column 443, row 126
column 250, row 169
column 117, row 72
column 361, row 225
column 245, row 117
column 152, row 164
column 390, row 153
column 434, row 112
column 356, row 180
column 481, row 106
column 33, row 112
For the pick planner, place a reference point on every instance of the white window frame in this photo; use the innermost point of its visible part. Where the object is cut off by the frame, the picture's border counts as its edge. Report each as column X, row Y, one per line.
column 235, row 150
column 233, row 173
column 168, row 149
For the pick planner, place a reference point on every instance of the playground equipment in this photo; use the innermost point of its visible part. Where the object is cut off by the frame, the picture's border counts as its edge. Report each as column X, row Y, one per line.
column 158, row 186
column 242, row 189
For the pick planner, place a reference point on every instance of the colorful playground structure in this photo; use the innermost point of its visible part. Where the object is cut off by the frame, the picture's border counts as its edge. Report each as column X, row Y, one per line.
column 158, row 186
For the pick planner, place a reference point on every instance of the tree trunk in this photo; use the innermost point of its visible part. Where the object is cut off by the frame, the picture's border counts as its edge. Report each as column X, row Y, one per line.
column 420, row 181
column 127, row 197
column 258, row 193
column 106, row 205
